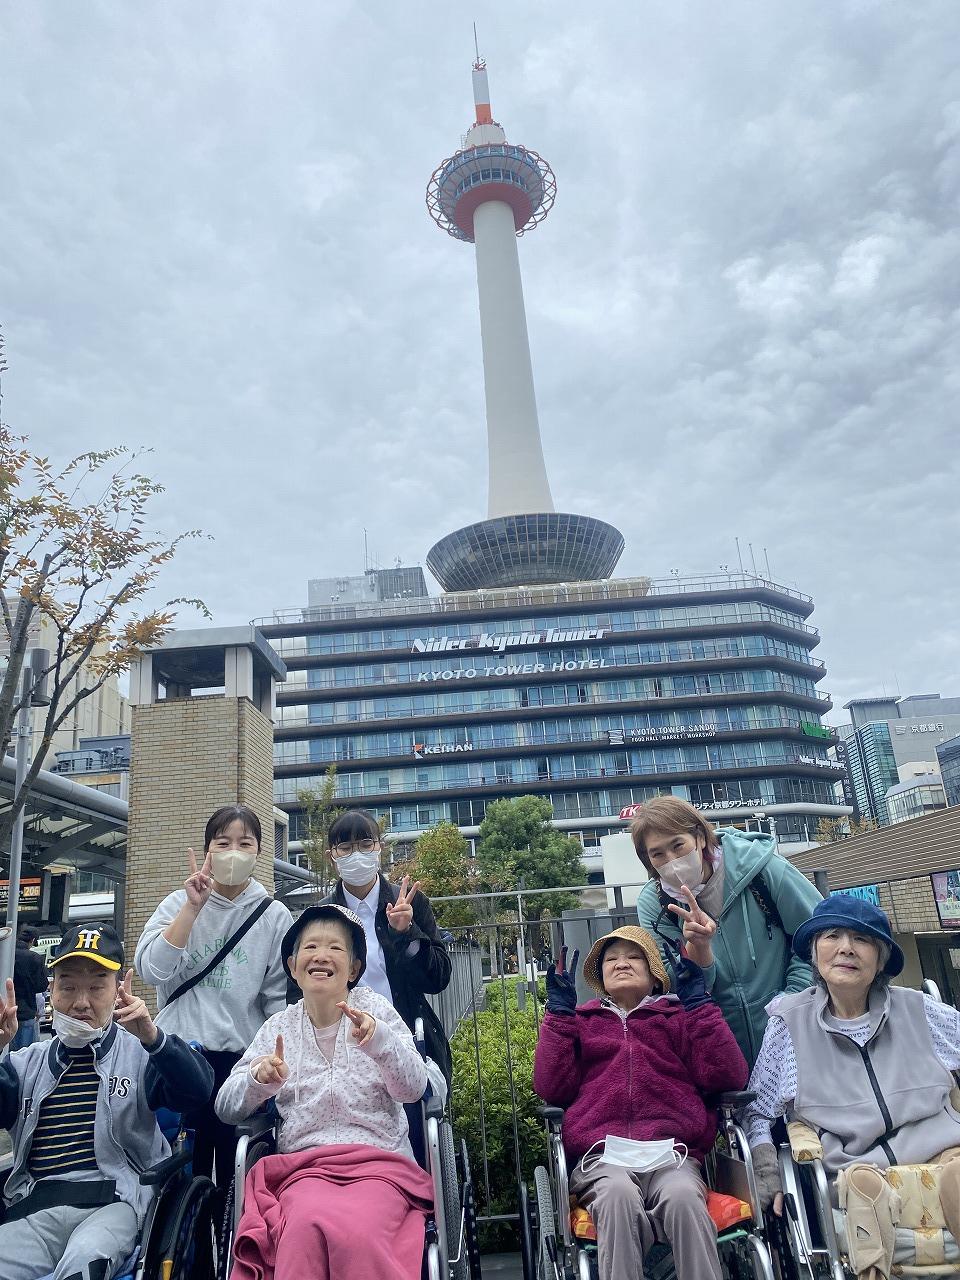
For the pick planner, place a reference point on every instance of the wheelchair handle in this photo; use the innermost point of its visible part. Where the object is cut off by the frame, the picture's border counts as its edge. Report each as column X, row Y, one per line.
column 737, row 1098
column 165, row 1169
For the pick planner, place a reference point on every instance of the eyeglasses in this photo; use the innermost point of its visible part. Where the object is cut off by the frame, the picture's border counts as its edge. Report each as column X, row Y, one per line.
column 358, row 846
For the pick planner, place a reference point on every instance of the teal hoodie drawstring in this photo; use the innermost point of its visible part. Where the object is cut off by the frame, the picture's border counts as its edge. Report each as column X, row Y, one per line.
column 746, row 927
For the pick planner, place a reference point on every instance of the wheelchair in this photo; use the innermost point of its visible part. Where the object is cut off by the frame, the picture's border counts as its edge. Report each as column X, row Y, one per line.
column 814, row 1232
column 178, row 1237
column 557, row 1244
column 452, row 1250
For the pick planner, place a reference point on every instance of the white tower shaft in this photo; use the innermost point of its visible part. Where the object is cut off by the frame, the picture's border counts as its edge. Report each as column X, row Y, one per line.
column 518, row 476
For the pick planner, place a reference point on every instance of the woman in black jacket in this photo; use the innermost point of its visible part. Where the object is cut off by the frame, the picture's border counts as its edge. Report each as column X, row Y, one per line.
column 406, row 956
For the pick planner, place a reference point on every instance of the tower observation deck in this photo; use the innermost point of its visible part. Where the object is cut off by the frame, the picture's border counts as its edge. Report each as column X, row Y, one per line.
column 489, row 194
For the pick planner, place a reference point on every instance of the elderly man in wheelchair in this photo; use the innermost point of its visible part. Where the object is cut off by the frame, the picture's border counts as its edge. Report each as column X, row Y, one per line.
column 863, row 1072
column 81, row 1113
column 632, row 1069
column 342, row 1197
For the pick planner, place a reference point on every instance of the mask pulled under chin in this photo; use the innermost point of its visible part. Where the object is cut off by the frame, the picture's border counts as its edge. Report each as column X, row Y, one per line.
column 629, row 1153
column 74, row 1033
column 232, row 866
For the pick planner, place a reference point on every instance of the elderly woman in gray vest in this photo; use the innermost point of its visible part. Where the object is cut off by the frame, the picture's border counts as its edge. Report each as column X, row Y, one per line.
column 867, row 1065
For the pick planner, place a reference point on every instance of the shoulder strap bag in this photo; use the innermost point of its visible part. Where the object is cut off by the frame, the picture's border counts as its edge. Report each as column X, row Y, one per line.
column 246, row 925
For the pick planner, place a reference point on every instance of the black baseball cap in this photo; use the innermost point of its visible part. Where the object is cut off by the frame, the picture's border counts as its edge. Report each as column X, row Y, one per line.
column 327, row 911
column 97, row 942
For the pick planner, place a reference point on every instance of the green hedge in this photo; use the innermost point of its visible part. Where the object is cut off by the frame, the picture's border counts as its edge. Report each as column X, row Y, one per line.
column 490, row 1106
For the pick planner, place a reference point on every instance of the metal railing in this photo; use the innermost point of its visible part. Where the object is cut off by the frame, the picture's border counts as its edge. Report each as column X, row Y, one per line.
column 349, row 789
column 682, row 734
column 292, row 646
column 463, row 708
column 525, row 597
column 465, row 990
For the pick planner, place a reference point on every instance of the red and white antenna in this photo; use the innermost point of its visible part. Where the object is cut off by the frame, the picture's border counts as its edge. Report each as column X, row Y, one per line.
column 481, row 89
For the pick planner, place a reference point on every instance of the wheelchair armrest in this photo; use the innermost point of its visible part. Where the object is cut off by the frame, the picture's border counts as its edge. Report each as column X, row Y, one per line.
column 257, row 1125
column 433, row 1108
column 736, row 1099
column 805, row 1145
column 552, row 1115
column 165, row 1169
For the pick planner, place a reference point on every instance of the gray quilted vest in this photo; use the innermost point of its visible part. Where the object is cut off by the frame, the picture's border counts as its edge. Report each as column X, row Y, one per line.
column 885, row 1103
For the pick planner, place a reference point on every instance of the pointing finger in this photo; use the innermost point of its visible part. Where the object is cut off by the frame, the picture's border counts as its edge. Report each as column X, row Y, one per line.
column 128, row 982
column 278, row 1049
column 351, row 1013
column 414, row 890
column 562, row 962
column 11, row 992
column 193, row 862
column 207, row 867
column 573, row 966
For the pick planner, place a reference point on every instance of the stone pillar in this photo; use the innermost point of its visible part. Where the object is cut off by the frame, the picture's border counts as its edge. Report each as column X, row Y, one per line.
column 192, row 754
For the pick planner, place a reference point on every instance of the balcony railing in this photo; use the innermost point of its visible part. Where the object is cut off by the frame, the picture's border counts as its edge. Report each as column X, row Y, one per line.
column 288, row 720
column 681, row 735
column 527, row 597
column 287, row 789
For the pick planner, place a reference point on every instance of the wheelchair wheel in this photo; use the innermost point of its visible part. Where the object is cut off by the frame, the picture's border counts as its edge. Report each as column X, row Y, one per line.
column 187, row 1251
column 547, row 1250
column 471, row 1239
column 456, row 1235
column 528, row 1252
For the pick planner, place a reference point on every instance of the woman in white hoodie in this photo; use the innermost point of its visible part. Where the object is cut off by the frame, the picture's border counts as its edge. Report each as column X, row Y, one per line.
column 212, row 950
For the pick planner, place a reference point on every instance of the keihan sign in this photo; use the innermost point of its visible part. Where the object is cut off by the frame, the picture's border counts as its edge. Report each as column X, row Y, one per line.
column 486, row 643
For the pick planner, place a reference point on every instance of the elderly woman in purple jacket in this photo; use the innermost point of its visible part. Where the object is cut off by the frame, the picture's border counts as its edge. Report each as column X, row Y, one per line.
column 632, row 1068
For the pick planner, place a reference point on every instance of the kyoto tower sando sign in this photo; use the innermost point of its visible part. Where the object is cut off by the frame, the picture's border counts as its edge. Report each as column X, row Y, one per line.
column 488, row 194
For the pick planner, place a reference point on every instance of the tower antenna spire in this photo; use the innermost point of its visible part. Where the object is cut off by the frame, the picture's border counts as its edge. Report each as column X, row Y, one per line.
column 476, row 46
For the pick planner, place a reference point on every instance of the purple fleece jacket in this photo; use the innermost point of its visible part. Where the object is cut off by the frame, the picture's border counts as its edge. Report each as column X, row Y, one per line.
column 641, row 1078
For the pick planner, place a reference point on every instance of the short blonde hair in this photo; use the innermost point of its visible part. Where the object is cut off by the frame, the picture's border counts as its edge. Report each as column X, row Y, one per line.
column 672, row 817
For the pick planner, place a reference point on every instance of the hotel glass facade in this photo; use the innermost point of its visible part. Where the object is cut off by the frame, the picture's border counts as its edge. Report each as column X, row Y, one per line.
column 595, row 694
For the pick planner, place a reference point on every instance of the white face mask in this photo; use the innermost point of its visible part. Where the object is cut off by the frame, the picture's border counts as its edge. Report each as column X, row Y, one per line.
column 233, row 866
column 74, row 1033
column 687, row 870
column 643, row 1157
column 358, row 868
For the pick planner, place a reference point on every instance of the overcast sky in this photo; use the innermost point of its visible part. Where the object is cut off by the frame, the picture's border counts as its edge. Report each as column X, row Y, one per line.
column 744, row 309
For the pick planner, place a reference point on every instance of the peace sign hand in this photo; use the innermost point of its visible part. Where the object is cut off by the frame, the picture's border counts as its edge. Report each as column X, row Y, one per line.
column 271, row 1068
column 400, row 913
column 199, row 883
column 365, row 1024
column 132, row 1013
column 561, row 985
column 9, row 1026
column 698, row 928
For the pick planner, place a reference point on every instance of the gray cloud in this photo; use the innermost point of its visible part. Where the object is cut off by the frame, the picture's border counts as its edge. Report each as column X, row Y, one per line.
column 743, row 309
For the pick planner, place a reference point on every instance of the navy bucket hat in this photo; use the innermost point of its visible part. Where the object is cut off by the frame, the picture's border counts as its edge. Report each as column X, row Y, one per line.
column 844, row 911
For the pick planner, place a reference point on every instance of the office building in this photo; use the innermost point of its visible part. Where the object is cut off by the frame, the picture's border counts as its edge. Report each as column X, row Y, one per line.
column 948, row 758
column 916, row 796
column 891, row 740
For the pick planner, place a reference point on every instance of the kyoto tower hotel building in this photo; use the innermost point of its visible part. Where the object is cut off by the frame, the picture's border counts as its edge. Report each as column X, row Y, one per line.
column 535, row 671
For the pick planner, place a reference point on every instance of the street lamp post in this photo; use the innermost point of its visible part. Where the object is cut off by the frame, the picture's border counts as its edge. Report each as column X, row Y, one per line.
column 33, row 693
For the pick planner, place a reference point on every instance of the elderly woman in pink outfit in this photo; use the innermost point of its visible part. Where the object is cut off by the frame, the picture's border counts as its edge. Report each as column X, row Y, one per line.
column 339, row 1071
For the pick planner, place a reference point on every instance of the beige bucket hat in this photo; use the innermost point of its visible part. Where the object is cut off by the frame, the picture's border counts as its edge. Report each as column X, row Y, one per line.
column 633, row 933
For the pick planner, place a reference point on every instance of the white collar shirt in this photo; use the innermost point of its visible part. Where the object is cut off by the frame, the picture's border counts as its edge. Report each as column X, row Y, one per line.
column 375, row 974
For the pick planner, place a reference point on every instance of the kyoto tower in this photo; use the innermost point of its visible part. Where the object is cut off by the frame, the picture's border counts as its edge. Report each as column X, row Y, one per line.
column 488, row 194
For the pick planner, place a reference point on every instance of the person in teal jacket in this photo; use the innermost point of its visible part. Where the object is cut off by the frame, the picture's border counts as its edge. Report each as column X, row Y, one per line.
column 731, row 890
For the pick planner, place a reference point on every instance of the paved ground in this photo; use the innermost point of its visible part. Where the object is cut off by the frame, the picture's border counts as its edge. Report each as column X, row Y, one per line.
column 502, row 1266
